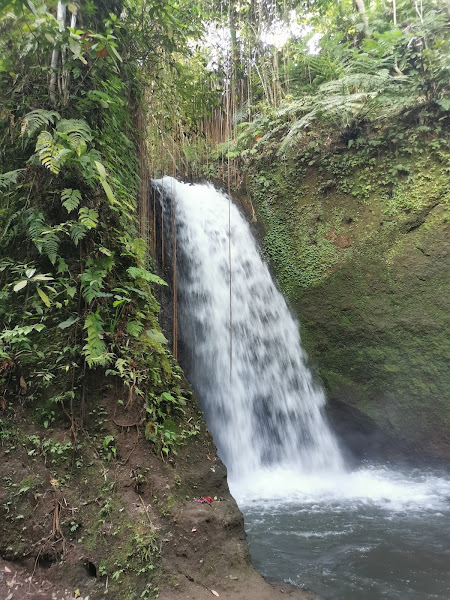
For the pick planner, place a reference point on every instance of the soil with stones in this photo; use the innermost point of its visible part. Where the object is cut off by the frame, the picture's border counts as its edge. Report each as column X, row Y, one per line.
column 94, row 511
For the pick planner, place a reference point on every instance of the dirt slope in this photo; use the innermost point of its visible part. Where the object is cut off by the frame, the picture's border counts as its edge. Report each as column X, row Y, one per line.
column 106, row 515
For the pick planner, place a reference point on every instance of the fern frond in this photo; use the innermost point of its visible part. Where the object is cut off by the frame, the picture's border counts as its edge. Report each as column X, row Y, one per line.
column 95, row 349
column 241, row 114
column 77, row 132
column 92, row 283
column 273, row 131
column 38, row 119
column 88, row 217
column 134, row 328
column 51, row 154
column 11, row 225
column 295, row 131
column 87, row 165
column 77, row 232
column 6, row 179
column 50, row 246
column 138, row 273
column 36, row 224
column 70, row 199
column 356, row 82
column 45, row 238
column 346, row 101
column 291, row 108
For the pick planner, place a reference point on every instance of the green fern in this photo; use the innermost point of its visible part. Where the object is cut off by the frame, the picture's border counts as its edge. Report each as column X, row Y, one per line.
column 51, row 154
column 347, row 101
column 88, row 217
column 70, row 199
column 38, row 119
column 11, row 226
column 77, row 232
column 76, row 132
column 87, row 166
column 137, row 273
column 36, row 224
column 6, row 179
column 92, row 283
column 44, row 237
column 50, row 245
column 95, row 349
column 134, row 328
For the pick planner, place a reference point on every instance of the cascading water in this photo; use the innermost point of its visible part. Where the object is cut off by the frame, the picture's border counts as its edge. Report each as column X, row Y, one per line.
column 261, row 402
column 371, row 534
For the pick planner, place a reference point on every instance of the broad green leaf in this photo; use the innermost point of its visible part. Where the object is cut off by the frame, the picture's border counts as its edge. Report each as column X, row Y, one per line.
column 108, row 191
column 62, row 265
column 157, row 336
column 45, row 299
column 68, row 322
column 101, row 169
column 19, row 286
column 42, row 278
column 75, row 46
column 119, row 302
column 107, row 441
column 116, row 54
column 444, row 103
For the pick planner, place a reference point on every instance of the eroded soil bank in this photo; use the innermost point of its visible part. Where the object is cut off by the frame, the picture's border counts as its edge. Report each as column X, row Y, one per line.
column 112, row 517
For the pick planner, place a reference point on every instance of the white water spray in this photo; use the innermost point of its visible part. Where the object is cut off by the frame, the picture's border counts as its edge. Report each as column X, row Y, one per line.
column 267, row 413
column 267, row 418
column 373, row 533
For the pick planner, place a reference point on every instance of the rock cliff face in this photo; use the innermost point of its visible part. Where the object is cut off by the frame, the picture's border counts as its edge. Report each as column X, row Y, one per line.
column 360, row 243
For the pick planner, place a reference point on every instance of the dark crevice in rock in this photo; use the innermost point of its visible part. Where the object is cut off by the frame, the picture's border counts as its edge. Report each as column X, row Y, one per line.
column 359, row 435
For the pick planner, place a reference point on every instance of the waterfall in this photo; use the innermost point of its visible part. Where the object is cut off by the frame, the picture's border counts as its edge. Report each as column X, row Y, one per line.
column 265, row 412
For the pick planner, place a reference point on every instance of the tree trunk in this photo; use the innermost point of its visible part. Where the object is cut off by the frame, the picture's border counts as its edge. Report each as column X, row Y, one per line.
column 65, row 75
column 61, row 18
column 419, row 9
column 364, row 18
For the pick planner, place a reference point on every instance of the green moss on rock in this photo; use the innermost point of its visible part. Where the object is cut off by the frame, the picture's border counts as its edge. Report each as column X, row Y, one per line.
column 360, row 244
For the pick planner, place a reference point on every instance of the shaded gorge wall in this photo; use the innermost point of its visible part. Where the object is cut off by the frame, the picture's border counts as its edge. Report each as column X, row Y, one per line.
column 360, row 243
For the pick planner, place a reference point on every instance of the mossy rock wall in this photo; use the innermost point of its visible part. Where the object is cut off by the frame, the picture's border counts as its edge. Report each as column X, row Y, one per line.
column 359, row 239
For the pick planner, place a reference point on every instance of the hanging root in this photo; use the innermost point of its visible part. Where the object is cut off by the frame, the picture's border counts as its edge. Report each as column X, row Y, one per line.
column 56, row 529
